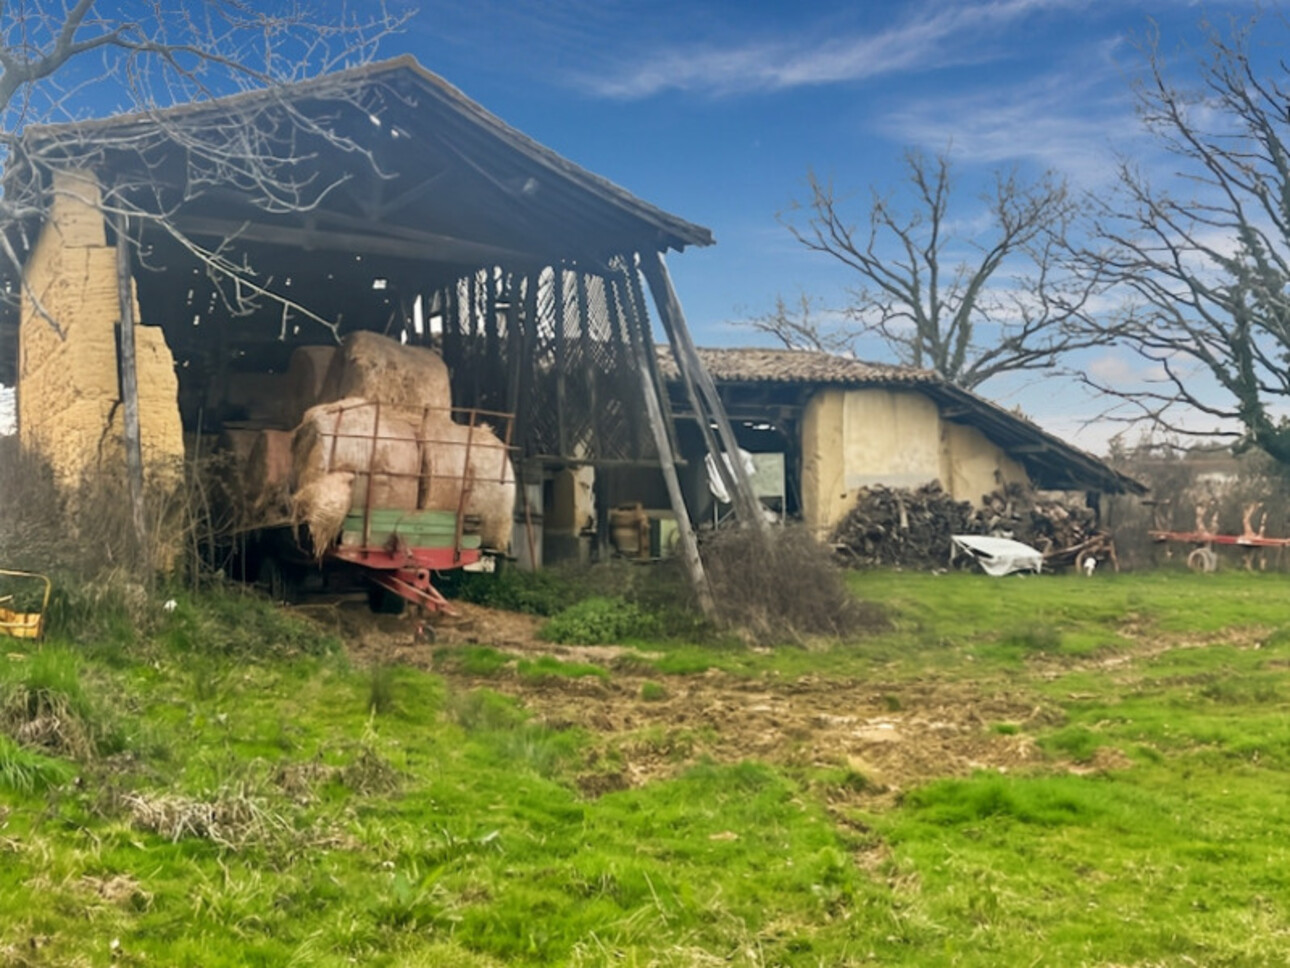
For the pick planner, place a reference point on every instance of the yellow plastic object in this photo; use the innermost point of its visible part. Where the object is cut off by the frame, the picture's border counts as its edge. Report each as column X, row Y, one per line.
column 24, row 625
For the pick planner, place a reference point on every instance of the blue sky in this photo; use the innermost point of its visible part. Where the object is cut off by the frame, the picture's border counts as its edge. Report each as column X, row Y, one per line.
column 716, row 109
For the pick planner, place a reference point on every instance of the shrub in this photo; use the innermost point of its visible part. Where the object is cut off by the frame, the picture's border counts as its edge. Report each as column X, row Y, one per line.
column 600, row 620
column 532, row 592
column 782, row 587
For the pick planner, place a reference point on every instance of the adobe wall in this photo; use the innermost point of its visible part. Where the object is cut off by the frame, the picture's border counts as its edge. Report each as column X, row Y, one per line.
column 852, row 439
column 974, row 465
column 69, row 397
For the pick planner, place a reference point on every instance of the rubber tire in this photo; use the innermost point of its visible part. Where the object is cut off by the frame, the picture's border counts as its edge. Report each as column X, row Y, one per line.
column 1203, row 560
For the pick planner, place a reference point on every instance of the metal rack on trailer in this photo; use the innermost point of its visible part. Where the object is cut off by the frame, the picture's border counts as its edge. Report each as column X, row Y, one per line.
column 397, row 550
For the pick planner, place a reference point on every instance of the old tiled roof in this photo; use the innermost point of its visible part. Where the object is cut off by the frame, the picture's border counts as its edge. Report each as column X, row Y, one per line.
column 750, row 364
column 1050, row 461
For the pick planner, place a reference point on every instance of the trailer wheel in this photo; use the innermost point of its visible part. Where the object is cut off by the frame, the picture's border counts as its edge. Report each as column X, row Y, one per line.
column 278, row 583
column 382, row 601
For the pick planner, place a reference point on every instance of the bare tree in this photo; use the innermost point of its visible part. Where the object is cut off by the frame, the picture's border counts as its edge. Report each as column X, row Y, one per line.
column 1206, row 271
column 66, row 62
column 939, row 292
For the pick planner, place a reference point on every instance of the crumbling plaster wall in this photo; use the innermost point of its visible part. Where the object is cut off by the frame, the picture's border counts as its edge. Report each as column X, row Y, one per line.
column 974, row 465
column 69, row 396
column 855, row 438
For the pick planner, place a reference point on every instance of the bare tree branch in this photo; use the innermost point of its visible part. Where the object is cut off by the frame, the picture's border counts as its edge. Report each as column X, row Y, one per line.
column 1206, row 275
column 58, row 59
column 970, row 305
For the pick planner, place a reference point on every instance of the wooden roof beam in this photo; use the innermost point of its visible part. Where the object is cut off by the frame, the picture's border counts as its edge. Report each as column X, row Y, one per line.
column 404, row 244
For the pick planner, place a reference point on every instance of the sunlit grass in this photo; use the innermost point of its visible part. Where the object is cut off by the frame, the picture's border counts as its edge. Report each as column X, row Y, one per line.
column 384, row 817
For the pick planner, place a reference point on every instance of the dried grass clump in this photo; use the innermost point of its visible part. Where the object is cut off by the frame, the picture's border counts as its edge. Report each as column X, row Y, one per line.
column 232, row 818
column 321, row 506
column 44, row 706
column 367, row 774
column 782, row 586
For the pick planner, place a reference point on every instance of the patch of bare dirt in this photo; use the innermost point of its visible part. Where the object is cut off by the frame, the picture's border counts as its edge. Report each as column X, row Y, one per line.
column 886, row 736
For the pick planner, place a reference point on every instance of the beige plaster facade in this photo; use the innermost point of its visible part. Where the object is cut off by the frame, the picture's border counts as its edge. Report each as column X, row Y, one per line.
column 854, row 438
column 69, row 396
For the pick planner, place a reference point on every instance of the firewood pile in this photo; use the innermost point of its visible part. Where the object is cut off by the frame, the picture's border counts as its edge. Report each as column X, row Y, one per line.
column 898, row 527
column 892, row 526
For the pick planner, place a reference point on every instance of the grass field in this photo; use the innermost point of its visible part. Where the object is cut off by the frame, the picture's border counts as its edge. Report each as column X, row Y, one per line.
column 1037, row 771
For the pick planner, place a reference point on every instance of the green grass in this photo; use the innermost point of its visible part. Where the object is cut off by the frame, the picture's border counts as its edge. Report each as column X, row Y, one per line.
column 328, row 815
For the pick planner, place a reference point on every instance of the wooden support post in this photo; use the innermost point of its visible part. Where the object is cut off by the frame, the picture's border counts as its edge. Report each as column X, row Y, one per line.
column 589, row 370
column 635, row 314
column 667, row 464
column 130, row 391
column 562, row 422
column 522, row 374
column 703, row 392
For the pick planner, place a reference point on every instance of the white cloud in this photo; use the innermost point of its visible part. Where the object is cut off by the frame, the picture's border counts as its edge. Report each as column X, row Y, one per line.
column 1076, row 121
column 936, row 34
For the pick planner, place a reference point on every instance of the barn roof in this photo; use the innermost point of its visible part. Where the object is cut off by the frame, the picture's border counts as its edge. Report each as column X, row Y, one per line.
column 419, row 178
column 1051, row 462
column 426, row 137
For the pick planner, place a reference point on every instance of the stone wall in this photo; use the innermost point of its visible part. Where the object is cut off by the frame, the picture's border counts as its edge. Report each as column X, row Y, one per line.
column 69, row 397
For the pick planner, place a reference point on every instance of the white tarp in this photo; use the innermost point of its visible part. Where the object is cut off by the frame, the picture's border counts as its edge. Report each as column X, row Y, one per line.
column 715, row 484
column 997, row 556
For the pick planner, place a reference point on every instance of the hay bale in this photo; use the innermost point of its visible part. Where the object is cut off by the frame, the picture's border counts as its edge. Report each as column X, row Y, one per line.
column 267, row 476
column 257, row 398
column 339, row 437
column 306, row 375
column 382, row 370
column 489, row 477
column 321, row 505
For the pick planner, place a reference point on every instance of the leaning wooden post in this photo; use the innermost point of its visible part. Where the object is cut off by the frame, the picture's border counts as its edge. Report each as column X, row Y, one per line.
column 687, row 358
column 723, row 470
column 130, row 390
column 640, row 344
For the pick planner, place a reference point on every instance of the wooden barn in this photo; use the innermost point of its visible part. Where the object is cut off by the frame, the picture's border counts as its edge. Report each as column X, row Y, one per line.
column 236, row 230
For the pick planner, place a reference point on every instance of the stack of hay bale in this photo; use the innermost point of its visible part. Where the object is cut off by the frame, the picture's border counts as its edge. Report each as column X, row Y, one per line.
column 373, row 423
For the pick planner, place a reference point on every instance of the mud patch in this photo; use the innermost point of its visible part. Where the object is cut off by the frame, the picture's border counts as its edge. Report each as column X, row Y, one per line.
column 855, row 743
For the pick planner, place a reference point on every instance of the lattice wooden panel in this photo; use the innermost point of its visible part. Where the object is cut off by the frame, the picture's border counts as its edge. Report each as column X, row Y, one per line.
column 556, row 348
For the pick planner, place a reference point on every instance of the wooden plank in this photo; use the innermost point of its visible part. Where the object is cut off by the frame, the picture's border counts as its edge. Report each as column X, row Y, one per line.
column 634, row 299
column 130, row 391
column 562, row 423
column 703, row 393
column 383, row 239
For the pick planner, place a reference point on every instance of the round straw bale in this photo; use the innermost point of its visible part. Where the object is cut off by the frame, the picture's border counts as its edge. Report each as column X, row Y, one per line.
column 489, row 478
column 357, row 436
column 268, row 475
column 305, row 376
column 383, row 370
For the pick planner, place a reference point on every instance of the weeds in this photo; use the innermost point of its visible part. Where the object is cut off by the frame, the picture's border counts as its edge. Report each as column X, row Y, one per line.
column 596, row 621
column 26, row 771
column 783, row 587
